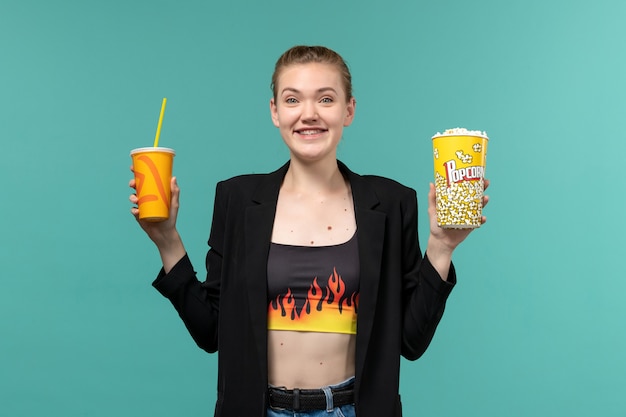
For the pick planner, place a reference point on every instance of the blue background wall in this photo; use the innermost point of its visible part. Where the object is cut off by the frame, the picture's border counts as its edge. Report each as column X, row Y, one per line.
column 536, row 324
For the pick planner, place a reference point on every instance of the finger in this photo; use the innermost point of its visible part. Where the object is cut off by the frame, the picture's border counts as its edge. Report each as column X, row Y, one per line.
column 431, row 192
column 485, row 200
column 432, row 197
column 132, row 183
column 133, row 198
column 486, row 182
column 175, row 189
column 175, row 198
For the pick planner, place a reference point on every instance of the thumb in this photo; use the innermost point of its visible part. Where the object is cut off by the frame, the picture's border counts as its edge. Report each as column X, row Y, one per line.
column 175, row 197
column 432, row 196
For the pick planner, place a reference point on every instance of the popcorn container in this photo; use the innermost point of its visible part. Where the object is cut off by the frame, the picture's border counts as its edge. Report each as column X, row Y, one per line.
column 459, row 158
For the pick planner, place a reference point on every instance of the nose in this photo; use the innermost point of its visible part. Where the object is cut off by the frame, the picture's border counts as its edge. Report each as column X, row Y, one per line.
column 309, row 111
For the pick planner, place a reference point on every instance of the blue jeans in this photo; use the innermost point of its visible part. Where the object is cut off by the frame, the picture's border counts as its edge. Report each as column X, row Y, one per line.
column 331, row 410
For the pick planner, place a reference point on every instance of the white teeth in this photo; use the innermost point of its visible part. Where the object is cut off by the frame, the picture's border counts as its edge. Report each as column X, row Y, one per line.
column 309, row 132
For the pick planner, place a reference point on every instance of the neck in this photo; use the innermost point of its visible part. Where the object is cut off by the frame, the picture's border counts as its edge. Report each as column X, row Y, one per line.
column 319, row 176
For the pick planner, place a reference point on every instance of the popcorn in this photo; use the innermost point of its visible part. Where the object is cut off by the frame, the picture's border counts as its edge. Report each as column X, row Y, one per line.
column 461, row 131
column 460, row 204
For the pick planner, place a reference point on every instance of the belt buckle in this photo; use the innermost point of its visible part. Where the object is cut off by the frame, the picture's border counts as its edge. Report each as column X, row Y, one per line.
column 296, row 399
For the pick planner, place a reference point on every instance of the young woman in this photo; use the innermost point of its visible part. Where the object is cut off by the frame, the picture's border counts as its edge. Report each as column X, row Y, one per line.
column 316, row 284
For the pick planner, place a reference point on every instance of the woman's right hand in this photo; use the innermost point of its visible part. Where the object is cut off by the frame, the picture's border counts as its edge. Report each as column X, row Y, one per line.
column 163, row 233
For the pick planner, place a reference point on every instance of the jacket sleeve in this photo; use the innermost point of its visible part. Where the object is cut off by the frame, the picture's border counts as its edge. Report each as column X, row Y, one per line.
column 197, row 303
column 424, row 291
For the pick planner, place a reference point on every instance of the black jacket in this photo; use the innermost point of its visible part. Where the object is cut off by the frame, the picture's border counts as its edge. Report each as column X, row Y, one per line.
column 401, row 296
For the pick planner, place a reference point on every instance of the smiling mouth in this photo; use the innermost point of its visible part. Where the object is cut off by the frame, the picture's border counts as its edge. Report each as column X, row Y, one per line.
column 310, row 132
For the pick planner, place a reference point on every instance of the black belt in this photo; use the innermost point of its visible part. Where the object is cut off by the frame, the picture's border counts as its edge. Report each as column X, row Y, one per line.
column 308, row 399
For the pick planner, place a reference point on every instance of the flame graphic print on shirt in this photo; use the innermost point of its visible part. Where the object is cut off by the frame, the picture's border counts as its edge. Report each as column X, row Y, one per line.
column 325, row 309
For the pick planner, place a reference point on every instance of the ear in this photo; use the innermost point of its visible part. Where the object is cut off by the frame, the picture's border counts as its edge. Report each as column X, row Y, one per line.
column 274, row 112
column 350, row 109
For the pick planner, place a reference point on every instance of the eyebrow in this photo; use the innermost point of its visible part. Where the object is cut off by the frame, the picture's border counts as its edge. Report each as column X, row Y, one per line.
column 295, row 90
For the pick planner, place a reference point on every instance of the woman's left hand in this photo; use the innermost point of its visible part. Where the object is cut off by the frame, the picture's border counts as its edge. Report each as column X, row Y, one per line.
column 448, row 238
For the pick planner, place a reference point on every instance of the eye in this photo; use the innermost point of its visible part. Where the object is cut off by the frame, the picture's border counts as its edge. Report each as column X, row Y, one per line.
column 291, row 100
column 326, row 100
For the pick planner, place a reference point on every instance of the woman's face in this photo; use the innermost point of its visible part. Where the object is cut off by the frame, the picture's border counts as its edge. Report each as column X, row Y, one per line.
column 311, row 110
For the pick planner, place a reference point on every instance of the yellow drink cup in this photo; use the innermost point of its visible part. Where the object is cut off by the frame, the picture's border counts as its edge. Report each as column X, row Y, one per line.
column 459, row 158
column 153, row 173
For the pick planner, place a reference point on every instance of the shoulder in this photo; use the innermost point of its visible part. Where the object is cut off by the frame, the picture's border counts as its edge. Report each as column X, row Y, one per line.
column 243, row 181
column 385, row 189
column 262, row 187
column 373, row 180
column 390, row 193
column 384, row 183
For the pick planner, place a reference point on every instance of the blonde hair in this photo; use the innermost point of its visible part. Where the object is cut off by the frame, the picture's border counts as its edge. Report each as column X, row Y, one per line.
column 302, row 54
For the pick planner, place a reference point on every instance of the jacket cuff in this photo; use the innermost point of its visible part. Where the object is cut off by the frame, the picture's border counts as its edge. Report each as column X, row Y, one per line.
column 435, row 280
column 181, row 273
